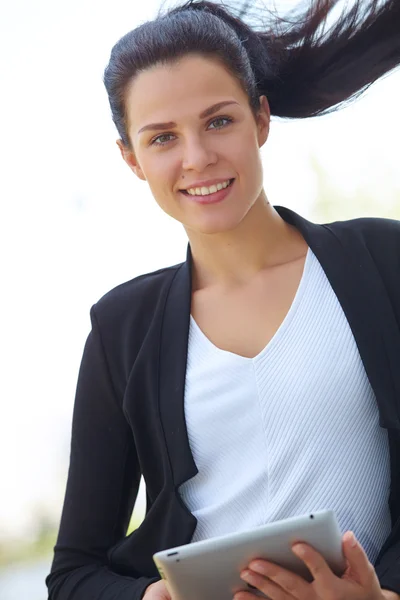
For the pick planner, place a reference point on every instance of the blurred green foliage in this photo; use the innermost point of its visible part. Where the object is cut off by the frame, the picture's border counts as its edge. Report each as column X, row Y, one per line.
column 17, row 551
column 379, row 196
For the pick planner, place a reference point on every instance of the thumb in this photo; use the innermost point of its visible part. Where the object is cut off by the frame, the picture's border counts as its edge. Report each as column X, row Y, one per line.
column 361, row 569
column 157, row 591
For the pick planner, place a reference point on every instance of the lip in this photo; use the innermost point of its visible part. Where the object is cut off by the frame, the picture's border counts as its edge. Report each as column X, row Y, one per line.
column 206, row 183
column 210, row 198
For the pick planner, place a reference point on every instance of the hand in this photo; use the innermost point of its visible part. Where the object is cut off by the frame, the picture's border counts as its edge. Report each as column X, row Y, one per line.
column 359, row 581
column 157, row 591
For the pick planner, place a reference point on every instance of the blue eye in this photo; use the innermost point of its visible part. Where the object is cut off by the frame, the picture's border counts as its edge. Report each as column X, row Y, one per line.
column 154, row 142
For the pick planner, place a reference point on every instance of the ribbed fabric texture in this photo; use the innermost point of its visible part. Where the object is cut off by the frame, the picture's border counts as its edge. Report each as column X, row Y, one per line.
column 291, row 431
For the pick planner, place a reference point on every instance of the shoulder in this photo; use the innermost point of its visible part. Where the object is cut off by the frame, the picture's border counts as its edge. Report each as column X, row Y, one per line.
column 367, row 226
column 376, row 233
column 380, row 235
column 138, row 296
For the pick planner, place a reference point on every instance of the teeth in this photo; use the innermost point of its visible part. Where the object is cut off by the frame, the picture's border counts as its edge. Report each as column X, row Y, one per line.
column 205, row 191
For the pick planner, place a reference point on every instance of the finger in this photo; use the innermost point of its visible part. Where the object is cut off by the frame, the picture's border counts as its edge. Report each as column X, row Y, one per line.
column 271, row 590
column 244, row 596
column 317, row 565
column 248, row 596
column 280, row 583
column 358, row 561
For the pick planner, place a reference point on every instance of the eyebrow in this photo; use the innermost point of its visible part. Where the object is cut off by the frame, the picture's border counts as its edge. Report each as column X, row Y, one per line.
column 206, row 113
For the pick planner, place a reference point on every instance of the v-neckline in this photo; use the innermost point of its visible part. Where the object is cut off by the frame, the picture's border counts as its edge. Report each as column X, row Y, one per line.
column 278, row 333
column 354, row 277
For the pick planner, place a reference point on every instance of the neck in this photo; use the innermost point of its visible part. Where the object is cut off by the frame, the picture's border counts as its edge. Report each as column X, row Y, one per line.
column 233, row 258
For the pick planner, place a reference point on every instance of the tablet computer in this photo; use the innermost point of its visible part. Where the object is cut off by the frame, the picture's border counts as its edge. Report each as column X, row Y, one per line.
column 210, row 569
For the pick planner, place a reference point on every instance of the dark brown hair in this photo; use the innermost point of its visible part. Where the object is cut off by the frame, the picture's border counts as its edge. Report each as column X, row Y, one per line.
column 303, row 68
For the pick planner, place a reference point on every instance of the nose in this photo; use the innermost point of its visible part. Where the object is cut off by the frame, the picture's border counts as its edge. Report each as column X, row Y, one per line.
column 197, row 156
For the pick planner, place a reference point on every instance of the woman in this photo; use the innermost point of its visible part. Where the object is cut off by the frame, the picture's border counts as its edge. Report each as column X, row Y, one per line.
column 258, row 379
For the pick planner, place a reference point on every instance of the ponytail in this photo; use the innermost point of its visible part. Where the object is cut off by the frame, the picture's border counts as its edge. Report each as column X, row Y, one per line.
column 316, row 71
column 303, row 68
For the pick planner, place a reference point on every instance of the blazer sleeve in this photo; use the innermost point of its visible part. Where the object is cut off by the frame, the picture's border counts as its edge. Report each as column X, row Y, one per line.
column 102, row 487
column 388, row 569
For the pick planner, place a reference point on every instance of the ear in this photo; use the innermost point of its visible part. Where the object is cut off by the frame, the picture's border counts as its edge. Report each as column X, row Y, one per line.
column 263, row 121
column 130, row 159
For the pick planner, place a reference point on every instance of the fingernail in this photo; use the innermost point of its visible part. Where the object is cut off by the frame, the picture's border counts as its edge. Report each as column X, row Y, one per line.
column 353, row 541
column 299, row 549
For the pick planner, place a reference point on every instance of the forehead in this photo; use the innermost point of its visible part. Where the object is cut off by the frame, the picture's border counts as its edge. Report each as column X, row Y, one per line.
column 188, row 86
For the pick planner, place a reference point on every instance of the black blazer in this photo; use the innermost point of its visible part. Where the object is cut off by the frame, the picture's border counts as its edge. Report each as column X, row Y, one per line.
column 129, row 410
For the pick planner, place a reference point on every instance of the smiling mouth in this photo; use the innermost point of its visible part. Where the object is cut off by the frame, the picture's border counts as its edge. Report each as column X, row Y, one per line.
column 187, row 193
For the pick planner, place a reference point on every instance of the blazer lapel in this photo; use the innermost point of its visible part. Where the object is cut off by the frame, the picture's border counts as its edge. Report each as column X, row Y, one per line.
column 173, row 359
column 359, row 288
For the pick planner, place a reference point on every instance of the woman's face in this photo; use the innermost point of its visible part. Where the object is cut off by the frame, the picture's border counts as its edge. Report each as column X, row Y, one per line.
column 175, row 147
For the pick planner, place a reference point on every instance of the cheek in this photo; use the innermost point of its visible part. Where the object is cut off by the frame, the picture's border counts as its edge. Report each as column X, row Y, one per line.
column 163, row 178
column 246, row 153
column 249, row 165
column 165, row 171
column 159, row 173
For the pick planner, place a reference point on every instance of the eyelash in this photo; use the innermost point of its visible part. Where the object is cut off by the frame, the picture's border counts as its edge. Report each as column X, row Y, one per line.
column 154, row 142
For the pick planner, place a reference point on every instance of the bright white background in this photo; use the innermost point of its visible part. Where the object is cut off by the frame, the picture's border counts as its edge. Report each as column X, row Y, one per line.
column 76, row 222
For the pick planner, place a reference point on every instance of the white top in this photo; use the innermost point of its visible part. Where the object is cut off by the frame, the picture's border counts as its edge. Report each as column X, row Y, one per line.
column 291, row 431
